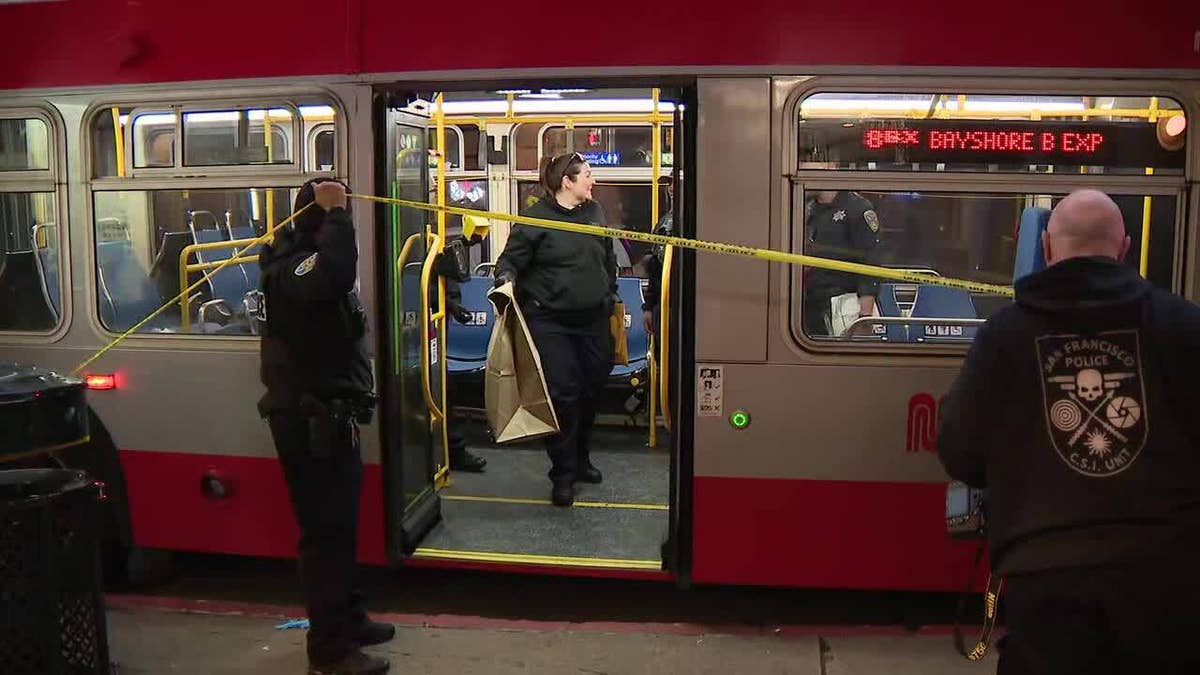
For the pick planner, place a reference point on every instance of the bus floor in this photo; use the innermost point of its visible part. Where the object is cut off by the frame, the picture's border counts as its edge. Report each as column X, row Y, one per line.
column 504, row 514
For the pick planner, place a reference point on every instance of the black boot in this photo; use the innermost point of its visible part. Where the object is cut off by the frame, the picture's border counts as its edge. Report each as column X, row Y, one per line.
column 354, row 663
column 589, row 474
column 462, row 460
column 563, row 493
column 373, row 633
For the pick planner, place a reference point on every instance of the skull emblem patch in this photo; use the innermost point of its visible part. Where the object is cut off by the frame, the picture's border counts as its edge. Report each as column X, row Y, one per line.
column 1094, row 400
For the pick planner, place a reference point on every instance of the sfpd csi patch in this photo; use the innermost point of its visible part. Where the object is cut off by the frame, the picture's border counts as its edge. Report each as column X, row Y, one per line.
column 1095, row 400
column 306, row 265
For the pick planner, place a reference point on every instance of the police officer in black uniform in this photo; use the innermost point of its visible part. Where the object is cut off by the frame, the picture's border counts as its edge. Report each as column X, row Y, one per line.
column 566, row 285
column 461, row 459
column 1076, row 409
column 840, row 225
column 654, row 260
column 319, row 388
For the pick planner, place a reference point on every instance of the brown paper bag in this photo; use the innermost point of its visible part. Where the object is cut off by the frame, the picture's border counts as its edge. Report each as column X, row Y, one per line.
column 620, row 343
column 514, row 389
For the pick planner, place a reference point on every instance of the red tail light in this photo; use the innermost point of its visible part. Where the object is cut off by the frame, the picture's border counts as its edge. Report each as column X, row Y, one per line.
column 101, row 382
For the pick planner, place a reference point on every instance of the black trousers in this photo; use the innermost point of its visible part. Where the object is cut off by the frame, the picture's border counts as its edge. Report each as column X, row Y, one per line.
column 817, row 310
column 577, row 360
column 324, row 492
column 1138, row 618
column 457, row 440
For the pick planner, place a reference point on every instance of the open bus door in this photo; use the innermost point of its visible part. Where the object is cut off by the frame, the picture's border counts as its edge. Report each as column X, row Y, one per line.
column 414, row 439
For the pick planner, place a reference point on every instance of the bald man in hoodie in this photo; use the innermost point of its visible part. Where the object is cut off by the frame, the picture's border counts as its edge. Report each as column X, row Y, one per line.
column 1075, row 409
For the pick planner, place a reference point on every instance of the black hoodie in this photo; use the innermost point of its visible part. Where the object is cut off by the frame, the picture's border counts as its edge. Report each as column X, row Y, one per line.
column 1074, row 408
column 315, row 341
column 572, row 275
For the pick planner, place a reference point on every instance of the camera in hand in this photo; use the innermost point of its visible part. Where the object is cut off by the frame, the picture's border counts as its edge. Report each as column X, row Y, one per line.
column 965, row 511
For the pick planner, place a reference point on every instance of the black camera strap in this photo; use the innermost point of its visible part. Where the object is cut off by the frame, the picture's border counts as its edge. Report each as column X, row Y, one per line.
column 991, row 604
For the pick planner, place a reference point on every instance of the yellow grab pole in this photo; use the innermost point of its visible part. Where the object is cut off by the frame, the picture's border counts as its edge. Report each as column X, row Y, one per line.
column 655, row 172
column 435, row 411
column 1144, row 264
column 664, row 335
column 440, row 118
column 119, row 140
column 652, row 441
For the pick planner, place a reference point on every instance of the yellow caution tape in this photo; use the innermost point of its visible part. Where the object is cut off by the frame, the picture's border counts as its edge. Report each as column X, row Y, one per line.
column 646, row 237
column 712, row 247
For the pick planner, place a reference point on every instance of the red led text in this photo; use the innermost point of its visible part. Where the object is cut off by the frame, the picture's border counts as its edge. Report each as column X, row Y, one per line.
column 986, row 140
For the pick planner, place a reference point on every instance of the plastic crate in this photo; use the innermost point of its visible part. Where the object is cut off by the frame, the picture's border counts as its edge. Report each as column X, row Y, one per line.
column 52, row 619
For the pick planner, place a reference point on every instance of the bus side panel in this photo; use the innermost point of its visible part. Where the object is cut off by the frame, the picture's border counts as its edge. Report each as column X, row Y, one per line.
column 826, row 534
column 835, row 484
column 170, row 509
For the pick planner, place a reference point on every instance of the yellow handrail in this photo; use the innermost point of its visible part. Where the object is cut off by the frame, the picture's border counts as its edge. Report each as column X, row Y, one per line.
column 655, row 172
column 439, row 116
column 435, row 247
column 119, row 141
column 186, row 268
column 652, row 441
column 483, row 121
column 664, row 335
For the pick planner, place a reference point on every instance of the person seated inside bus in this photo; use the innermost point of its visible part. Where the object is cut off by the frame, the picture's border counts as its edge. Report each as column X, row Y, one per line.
column 839, row 225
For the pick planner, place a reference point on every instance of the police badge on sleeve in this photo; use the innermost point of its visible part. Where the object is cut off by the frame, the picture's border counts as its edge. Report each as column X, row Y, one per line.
column 1095, row 400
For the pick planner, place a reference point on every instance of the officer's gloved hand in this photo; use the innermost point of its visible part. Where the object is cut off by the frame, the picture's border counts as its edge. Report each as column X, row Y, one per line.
column 502, row 278
column 459, row 313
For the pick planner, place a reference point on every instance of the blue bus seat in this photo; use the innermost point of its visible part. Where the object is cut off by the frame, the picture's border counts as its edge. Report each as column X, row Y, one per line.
column 942, row 302
column 887, row 304
column 467, row 345
column 638, row 340
column 47, row 267
column 1030, row 258
column 249, row 269
column 230, row 284
column 128, row 294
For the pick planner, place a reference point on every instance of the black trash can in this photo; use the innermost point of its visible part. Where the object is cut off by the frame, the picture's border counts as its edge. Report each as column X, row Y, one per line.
column 52, row 618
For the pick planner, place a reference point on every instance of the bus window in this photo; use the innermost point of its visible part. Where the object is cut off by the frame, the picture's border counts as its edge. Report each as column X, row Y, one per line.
column 528, row 149
column 30, row 296
column 141, row 234
column 454, row 145
column 620, row 146
column 323, row 151
column 626, row 146
column 962, row 235
column 30, row 288
column 237, row 137
column 468, row 193
column 24, row 145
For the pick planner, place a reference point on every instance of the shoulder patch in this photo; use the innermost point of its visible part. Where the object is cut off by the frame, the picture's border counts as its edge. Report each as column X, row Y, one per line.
column 306, row 265
column 872, row 220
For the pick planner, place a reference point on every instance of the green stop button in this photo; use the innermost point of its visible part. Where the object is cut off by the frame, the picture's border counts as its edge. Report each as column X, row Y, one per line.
column 740, row 419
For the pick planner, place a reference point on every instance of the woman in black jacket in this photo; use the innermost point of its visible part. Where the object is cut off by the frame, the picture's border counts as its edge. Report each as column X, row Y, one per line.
column 566, row 284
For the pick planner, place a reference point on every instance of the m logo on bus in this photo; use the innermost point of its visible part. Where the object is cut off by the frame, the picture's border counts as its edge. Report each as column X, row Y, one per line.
column 1095, row 400
column 924, row 413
